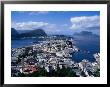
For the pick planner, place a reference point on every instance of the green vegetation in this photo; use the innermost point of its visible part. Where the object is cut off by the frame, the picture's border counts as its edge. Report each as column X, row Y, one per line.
column 64, row 72
column 83, row 74
column 97, row 73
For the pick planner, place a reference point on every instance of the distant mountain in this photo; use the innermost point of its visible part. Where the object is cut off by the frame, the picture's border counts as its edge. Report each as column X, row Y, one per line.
column 86, row 33
column 33, row 33
column 86, row 36
column 23, row 31
column 14, row 33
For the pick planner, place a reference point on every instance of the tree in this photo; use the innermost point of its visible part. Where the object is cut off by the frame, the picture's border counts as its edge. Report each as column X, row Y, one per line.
column 64, row 72
column 97, row 73
column 83, row 74
column 21, row 75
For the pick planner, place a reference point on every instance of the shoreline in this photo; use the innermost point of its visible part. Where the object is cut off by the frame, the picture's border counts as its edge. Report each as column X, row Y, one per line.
column 50, row 55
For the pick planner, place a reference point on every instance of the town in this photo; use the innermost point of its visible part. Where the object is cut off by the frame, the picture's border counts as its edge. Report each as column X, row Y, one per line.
column 51, row 55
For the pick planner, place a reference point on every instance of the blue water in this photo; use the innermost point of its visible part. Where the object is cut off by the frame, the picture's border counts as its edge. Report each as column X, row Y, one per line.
column 87, row 46
column 24, row 42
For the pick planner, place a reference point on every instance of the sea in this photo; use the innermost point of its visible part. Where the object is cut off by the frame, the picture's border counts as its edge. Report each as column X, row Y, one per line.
column 87, row 45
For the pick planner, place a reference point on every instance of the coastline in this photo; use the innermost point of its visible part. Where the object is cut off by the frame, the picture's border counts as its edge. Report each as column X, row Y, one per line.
column 54, row 60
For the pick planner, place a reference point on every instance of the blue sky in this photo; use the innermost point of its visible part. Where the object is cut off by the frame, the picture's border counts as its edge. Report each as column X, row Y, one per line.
column 57, row 22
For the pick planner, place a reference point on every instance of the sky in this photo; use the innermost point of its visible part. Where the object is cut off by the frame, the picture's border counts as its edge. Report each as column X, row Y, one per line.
column 57, row 22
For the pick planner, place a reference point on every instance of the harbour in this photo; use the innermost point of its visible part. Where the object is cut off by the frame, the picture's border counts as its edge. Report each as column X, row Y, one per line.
column 50, row 55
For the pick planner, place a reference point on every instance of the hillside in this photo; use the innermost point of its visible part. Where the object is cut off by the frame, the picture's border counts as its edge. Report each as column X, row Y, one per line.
column 34, row 33
column 31, row 33
column 14, row 33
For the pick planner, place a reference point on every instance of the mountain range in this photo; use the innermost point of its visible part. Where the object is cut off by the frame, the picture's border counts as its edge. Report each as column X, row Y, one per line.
column 32, row 33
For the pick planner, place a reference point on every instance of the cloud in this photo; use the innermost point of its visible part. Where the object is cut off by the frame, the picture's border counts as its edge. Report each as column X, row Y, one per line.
column 85, row 22
column 37, row 12
column 31, row 12
column 29, row 25
column 65, row 25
